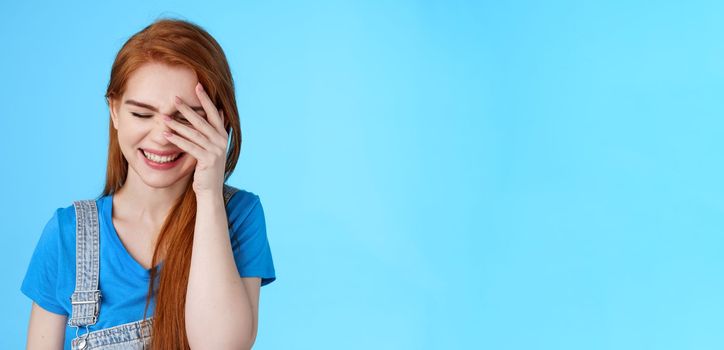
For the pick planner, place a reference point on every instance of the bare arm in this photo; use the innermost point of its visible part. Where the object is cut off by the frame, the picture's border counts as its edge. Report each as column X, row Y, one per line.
column 46, row 329
column 218, row 301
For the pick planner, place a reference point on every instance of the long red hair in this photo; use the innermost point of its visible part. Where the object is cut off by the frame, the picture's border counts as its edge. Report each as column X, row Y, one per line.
column 183, row 43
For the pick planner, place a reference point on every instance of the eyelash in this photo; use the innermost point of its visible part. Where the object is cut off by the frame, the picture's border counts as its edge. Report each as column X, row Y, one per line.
column 146, row 116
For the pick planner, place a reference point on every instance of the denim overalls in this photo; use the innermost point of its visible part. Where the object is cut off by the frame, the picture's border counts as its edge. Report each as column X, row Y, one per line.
column 86, row 299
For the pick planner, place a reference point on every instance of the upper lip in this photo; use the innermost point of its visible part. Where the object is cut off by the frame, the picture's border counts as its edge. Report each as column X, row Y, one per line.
column 160, row 153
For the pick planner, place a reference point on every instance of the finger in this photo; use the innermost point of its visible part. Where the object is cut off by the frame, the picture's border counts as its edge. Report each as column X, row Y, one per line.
column 228, row 136
column 223, row 128
column 186, row 145
column 198, row 121
column 214, row 119
column 189, row 133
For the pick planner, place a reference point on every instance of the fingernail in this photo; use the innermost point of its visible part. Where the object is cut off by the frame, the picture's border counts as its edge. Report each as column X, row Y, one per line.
column 178, row 99
column 166, row 117
column 199, row 86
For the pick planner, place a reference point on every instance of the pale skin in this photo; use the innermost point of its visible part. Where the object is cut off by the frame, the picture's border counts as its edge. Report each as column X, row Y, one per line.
column 221, row 308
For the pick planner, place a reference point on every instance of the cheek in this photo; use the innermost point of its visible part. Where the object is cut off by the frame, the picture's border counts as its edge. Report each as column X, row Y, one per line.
column 128, row 143
column 189, row 163
column 131, row 133
column 124, row 138
column 190, row 160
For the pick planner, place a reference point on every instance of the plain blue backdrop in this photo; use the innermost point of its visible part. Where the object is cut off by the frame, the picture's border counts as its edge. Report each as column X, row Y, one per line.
column 435, row 174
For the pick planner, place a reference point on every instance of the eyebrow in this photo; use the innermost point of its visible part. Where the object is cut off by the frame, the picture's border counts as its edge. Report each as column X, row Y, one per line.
column 148, row 106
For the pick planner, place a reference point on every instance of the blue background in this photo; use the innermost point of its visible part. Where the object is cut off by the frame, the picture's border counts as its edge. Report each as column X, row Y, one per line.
column 434, row 174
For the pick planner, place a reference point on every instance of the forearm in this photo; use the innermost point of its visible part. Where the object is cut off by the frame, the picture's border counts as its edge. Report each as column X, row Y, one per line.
column 218, row 313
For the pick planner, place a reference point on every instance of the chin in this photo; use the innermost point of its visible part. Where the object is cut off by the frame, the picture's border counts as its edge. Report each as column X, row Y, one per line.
column 164, row 178
column 160, row 183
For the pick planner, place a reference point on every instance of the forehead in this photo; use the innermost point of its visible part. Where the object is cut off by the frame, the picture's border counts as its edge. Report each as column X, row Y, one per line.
column 158, row 83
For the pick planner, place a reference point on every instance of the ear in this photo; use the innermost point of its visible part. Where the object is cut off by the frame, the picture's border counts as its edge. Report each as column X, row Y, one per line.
column 112, row 109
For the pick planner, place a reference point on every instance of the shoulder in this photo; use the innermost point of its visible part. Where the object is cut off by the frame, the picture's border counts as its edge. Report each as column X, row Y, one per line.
column 241, row 203
column 66, row 217
column 65, row 220
column 239, row 197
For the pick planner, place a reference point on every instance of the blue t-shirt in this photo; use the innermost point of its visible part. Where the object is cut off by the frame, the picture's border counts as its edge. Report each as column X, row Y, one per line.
column 50, row 278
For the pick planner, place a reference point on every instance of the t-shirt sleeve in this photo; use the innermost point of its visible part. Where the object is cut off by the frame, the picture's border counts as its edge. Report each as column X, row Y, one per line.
column 249, row 239
column 40, row 282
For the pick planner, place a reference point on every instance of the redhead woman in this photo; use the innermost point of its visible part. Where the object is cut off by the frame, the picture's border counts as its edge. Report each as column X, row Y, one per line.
column 168, row 256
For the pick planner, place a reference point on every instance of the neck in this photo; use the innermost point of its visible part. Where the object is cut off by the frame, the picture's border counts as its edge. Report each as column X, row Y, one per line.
column 144, row 204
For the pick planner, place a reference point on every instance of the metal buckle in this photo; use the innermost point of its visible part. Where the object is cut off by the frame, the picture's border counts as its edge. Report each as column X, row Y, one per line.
column 96, row 301
column 96, row 298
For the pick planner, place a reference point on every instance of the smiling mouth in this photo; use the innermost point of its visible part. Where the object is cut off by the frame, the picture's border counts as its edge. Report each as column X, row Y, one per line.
column 160, row 159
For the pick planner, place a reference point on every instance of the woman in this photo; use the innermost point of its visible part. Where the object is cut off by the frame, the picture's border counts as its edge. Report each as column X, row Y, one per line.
column 167, row 237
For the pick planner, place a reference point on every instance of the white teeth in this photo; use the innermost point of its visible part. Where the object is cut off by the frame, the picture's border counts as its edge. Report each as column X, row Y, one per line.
column 160, row 159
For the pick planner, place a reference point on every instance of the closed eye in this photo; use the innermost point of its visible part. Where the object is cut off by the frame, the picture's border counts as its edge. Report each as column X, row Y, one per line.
column 179, row 118
column 183, row 120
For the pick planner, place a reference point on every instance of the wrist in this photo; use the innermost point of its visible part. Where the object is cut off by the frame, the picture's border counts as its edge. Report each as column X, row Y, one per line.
column 206, row 196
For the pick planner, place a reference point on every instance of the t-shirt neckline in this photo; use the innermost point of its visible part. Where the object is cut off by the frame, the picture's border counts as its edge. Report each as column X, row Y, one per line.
column 130, row 261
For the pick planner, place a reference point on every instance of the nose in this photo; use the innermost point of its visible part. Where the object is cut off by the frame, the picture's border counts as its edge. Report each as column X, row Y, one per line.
column 158, row 129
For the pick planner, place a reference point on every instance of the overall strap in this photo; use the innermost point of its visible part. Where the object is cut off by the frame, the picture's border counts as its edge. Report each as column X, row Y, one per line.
column 85, row 301
column 228, row 192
